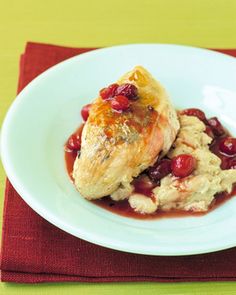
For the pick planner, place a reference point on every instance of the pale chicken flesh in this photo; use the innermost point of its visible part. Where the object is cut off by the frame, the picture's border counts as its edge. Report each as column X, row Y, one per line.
column 118, row 146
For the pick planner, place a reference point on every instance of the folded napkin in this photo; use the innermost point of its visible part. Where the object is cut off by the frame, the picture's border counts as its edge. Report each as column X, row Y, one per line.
column 33, row 250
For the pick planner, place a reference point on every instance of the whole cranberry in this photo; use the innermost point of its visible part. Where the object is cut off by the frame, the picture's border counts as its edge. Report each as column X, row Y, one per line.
column 228, row 146
column 216, row 126
column 196, row 113
column 120, row 103
column 183, row 165
column 108, row 92
column 74, row 142
column 144, row 185
column 128, row 90
column 85, row 111
column 159, row 171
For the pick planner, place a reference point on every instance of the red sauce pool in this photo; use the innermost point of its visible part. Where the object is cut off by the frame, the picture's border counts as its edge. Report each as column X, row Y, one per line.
column 123, row 208
column 70, row 157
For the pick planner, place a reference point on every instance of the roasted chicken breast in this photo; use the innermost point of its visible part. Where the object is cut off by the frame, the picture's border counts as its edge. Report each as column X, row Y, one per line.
column 118, row 146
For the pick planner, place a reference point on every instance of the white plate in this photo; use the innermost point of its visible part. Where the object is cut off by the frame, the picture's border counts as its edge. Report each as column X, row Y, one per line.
column 47, row 111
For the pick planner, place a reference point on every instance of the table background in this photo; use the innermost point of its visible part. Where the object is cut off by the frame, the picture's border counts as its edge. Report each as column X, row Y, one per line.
column 103, row 23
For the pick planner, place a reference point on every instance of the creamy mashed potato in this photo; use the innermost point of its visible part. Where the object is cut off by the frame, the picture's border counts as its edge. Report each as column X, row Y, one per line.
column 196, row 191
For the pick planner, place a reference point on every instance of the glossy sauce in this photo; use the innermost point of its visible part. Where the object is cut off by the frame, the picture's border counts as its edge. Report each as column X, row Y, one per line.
column 138, row 117
column 70, row 157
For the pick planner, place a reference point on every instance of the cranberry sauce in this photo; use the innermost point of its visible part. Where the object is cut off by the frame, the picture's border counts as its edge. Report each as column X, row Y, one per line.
column 227, row 161
column 72, row 148
column 70, row 157
column 143, row 185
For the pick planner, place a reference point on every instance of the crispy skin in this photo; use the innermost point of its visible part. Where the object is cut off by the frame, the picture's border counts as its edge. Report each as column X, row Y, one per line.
column 116, row 147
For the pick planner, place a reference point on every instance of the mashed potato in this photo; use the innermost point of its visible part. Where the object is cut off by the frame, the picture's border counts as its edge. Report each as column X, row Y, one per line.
column 195, row 192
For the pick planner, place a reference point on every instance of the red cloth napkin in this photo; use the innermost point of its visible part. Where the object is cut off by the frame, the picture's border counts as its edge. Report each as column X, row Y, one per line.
column 34, row 250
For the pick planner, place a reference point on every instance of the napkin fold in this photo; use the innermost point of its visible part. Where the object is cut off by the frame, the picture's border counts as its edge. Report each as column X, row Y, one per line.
column 33, row 250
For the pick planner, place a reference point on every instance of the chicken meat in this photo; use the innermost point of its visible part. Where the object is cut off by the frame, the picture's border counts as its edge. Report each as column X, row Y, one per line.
column 118, row 146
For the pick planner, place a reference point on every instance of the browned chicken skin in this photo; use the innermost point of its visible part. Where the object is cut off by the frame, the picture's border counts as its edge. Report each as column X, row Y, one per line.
column 118, row 146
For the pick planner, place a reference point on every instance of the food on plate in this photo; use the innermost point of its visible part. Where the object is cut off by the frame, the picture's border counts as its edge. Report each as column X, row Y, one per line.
column 137, row 156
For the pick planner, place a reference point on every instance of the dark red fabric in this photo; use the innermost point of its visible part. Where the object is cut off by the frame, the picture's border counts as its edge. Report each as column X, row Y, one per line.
column 34, row 250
